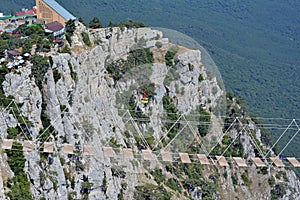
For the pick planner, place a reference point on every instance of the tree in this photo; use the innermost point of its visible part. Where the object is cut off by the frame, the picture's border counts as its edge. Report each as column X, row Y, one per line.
column 95, row 23
column 19, row 185
column 81, row 21
column 112, row 24
column 27, row 46
column 43, row 45
column 39, row 69
column 86, row 39
column 70, row 26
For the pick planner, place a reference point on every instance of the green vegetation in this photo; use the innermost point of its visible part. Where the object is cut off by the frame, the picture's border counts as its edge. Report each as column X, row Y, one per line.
column 246, row 179
column 43, row 45
column 191, row 177
column 151, row 192
column 271, row 181
column 95, row 23
column 149, row 89
column 56, row 75
column 236, row 148
column 134, row 110
column 85, row 188
column 159, row 177
column 169, row 57
column 73, row 74
column 39, row 69
column 234, row 178
column 69, row 39
column 81, row 21
column 113, row 143
column 34, row 35
column 12, row 132
column 158, row 45
column 205, row 121
column 172, row 115
column 127, row 24
column 173, row 184
column 200, row 78
column 135, row 58
column 72, row 195
column 104, row 183
column 66, row 49
column 19, row 185
column 278, row 191
column 70, row 27
column 86, row 39
column 48, row 129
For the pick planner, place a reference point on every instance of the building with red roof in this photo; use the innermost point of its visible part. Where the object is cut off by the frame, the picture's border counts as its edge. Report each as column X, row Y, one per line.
column 32, row 11
column 56, row 28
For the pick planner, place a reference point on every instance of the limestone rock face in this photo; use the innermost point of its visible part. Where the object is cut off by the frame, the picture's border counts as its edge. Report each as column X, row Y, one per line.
column 87, row 106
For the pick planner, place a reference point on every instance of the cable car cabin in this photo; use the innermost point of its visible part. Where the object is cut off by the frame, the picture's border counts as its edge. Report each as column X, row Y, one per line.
column 145, row 100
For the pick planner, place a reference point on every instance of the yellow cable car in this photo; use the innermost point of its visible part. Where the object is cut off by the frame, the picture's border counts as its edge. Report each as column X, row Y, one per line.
column 145, row 100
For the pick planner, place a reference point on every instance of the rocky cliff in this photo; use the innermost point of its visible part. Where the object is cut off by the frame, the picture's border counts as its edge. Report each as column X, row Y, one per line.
column 131, row 89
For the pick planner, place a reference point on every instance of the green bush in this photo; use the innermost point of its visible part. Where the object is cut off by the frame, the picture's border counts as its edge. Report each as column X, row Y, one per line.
column 271, row 181
column 66, row 49
column 135, row 58
column 19, row 185
column 131, row 24
column 208, row 189
column 172, row 114
column 39, row 69
column 12, row 132
column 69, row 38
column 278, row 191
column 159, row 177
column 70, row 27
column 56, row 75
column 43, row 45
column 234, row 178
column 73, row 74
column 72, row 195
column 80, row 19
column 151, row 192
column 158, row 45
column 173, row 184
column 86, row 39
column 200, row 78
column 205, row 121
column 169, row 57
column 149, row 89
column 246, row 179
column 95, row 23
column 135, row 111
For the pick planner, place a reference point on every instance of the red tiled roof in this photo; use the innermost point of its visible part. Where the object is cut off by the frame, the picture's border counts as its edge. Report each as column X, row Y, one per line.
column 32, row 11
column 57, row 41
column 54, row 26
